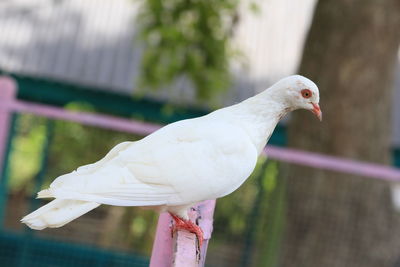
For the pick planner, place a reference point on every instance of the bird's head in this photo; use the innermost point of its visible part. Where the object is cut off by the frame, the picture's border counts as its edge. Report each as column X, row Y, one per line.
column 298, row 92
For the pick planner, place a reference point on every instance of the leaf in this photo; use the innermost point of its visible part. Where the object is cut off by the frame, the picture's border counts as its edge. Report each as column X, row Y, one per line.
column 186, row 39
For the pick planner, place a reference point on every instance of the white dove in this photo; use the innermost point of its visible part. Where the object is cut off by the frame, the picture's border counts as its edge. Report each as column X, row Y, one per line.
column 180, row 164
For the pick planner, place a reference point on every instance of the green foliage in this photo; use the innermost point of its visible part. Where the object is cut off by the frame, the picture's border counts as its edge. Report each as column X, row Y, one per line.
column 187, row 38
column 268, row 180
column 270, row 217
column 25, row 155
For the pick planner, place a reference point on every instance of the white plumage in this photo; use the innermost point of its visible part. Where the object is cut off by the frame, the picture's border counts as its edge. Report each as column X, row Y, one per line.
column 182, row 163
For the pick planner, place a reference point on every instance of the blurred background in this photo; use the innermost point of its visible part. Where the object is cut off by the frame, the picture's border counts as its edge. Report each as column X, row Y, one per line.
column 165, row 60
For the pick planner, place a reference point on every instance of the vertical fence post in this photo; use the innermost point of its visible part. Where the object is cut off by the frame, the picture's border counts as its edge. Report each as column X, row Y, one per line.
column 7, row 94
column 162, row 248
column 181, row 251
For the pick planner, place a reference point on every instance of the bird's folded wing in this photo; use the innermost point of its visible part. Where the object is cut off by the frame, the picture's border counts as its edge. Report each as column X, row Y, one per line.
column 86, row 169
column 110, row 181
column 162, row 168
column 188, row 162
column 126, row 195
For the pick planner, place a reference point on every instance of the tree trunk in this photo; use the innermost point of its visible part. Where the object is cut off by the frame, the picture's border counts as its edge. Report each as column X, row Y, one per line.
column 338, row 220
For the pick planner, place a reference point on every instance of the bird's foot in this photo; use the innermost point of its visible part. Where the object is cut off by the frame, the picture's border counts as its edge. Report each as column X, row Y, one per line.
column 188, row 225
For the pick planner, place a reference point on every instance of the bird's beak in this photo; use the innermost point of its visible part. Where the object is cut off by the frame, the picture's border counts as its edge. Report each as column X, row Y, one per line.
column 317, row 111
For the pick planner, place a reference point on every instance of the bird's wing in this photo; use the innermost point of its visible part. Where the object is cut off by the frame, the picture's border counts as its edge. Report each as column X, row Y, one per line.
column 89, row 168
column 198, row 159
column 170, row 166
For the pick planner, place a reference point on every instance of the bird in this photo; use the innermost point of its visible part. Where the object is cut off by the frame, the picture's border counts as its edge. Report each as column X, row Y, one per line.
column 180, row 164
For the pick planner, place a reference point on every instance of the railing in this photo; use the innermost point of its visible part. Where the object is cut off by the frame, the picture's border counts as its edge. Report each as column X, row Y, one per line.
column 180, row 250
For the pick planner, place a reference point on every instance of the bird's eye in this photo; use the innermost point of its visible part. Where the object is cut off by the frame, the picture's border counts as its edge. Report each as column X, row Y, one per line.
column 306, row 93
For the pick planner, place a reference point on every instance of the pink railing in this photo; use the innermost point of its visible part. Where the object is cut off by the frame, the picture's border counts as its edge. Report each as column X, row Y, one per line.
column 180, row 250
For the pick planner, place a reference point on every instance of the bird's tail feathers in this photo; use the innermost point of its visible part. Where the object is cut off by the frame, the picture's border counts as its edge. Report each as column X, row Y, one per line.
column 46, row 193
column 58, row 213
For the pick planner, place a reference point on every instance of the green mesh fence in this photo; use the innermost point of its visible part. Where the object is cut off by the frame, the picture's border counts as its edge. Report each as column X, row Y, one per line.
column 25, row 250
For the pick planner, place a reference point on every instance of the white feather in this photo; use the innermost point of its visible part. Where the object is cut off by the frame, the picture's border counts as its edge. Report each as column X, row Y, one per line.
column 57, row 213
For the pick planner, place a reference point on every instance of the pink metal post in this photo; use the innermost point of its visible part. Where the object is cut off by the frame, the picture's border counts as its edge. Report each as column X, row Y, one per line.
column 7, row 94
column 162, row 247
column 181, row 250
